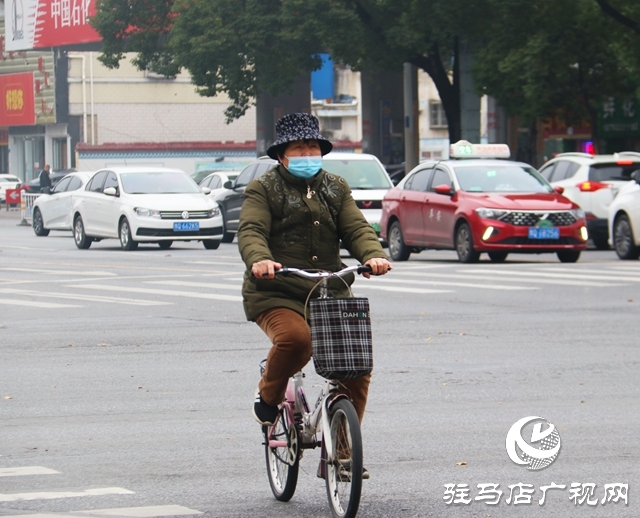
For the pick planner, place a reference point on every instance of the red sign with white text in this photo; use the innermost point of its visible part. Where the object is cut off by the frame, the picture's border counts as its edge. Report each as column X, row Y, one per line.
column 36, row 24
column 13, row 196
column 17, row 100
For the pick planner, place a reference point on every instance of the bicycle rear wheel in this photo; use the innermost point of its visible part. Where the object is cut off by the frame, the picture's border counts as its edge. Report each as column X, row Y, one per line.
column 343, row 475
column 281, row 452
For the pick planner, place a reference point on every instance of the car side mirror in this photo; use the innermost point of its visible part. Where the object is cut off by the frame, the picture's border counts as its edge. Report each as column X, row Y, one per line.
column 444, row 189
column 205, row 190
column 110, row 191
column 636, row 176
column 559, row 189
column 228, row 184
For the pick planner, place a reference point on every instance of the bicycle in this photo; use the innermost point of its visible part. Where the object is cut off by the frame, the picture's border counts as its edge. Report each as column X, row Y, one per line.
column 332, row 425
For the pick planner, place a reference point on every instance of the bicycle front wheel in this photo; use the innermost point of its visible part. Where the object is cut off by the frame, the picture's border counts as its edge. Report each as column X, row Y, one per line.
column 343, row 475
column 281, row 451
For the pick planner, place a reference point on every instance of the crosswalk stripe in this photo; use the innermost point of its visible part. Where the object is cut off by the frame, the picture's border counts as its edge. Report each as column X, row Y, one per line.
column 444, row 283
column 174, row 293
column 212, row 285
column 491, row 276
column 26, row 470
column 49, row 495
column 402, row 289
column 144, row 512
column 30, row 303
column 91, row 298
column 597, row 274
column 83, row 273
column 566, row 276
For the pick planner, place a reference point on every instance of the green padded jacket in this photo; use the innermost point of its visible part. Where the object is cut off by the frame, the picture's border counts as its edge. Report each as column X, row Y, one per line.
column 299, row 224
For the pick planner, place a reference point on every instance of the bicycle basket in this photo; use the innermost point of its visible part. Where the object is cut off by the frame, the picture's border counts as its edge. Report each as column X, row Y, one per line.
column 341, row 337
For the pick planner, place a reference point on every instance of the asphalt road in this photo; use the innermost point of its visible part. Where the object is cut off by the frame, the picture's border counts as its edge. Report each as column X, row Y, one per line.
column 126, row 380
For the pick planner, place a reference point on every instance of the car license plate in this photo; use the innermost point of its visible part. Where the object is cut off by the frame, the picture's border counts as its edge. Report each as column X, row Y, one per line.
column 544, row 233
column 186, row 226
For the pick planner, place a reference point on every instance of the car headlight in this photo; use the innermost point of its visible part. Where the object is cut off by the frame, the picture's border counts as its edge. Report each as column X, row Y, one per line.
column 578, row 214
column 213, row 212
column 486, row 213
column 147, row 213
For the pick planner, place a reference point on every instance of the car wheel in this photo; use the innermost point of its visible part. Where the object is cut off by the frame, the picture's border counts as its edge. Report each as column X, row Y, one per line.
column 601, row 244
column 227, row 237
column 568, row 256
column 498, row 257
column 82, row 241
column 623, row 239
column 38, row 224
column 126, row 242
column 464, row 245
column 165, row 245
column 210, row 244
column 397, row 249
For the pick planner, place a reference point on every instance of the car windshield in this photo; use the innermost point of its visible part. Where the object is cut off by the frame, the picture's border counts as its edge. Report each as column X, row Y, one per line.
column 612, row 172
column 359, row 174
column 158, row 183
column 501, row 178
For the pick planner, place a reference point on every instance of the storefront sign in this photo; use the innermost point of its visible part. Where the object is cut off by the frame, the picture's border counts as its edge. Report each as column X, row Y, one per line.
column 36, row 24
column 619, row 118
column 17, row 101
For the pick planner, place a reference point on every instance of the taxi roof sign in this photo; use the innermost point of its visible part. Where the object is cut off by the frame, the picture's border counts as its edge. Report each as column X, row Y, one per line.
column 465, row 149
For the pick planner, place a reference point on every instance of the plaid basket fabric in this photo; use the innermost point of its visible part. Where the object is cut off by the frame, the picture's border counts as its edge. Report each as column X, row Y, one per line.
column 341, row 337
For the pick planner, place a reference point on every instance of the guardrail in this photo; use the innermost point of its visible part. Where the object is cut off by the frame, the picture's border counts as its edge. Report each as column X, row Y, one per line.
column 26, row 207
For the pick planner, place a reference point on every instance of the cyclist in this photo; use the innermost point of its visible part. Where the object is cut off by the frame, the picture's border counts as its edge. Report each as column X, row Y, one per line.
column 296, row 215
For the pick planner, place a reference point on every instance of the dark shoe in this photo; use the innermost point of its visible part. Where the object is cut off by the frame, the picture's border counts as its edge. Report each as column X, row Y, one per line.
column 264, row 413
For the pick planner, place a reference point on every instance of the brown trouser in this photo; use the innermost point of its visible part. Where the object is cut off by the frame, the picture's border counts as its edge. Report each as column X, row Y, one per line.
column 291, row 351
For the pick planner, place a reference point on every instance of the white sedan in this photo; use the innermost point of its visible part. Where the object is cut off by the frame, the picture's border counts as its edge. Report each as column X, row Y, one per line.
column 53, row 211
column 145, row 205
column 7, row 181
column 624, row 220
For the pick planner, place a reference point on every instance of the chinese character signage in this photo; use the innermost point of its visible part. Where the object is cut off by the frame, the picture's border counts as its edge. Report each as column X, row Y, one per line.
column 619, row 118
column 36, row 24
column 17, row 101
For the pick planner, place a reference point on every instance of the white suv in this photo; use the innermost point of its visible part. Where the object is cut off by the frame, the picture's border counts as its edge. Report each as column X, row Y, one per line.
column 592, row 181
column 624, row 220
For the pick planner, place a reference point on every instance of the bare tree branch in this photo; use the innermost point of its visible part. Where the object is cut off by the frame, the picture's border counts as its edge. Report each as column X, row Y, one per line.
column 618, row 16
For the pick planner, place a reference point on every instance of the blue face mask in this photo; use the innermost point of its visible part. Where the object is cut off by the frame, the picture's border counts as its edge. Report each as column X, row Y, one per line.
column 304, row 167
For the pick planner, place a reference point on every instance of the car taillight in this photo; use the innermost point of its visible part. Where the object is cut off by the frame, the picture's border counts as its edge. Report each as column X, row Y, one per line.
column 592, row 186
column 624, row 162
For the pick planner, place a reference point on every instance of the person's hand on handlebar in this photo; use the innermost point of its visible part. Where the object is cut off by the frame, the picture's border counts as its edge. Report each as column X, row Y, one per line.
column 265, row 269
column 379, row 266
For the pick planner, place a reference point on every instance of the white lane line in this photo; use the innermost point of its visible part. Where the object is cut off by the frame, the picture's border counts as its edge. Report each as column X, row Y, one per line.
column 400, row 289
column 144, row 512
column 29, row 303
column 49, row 495
column 192, row 294
column 26, row 470
column 84, row 273
column 212, row 285
column 455, row 284
column 91, row 298
column 597, row 274
column 496, row 276
column 564, row 276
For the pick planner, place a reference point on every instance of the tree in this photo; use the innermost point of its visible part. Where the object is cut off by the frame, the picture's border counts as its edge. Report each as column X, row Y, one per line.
column 621, row 17
column 555, row 59
column 242, row 47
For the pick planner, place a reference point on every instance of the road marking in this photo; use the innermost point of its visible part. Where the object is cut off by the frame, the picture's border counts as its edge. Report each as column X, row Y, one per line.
column 192, row 294
column 49, row 495
column 566, row 277
column 457, row 284
column 199, row 284
column 149, row 511
column 50, row 305
column 84, row 273
column 26, row 470
column 490, row 276
column 91, row 298
column 597, row 274
column 401, row 289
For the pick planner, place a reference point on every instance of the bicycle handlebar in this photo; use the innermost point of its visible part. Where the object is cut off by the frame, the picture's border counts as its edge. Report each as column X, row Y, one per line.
column 323, row 274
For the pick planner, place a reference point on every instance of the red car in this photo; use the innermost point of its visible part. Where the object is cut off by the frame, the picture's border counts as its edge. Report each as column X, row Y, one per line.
column 478, row 202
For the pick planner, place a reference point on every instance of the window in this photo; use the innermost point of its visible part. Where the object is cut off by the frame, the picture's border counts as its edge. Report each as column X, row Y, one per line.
column 245, row 176
column 215, row 182
column 111, row 181
column 437, row 117
column 75, row 184
column 95, row 185
column 332, row 123
column 62, row 185
column 440, row 177
column 420, row 180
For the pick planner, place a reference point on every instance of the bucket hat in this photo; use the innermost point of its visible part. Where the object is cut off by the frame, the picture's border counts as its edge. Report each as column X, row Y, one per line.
column 298, row 126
